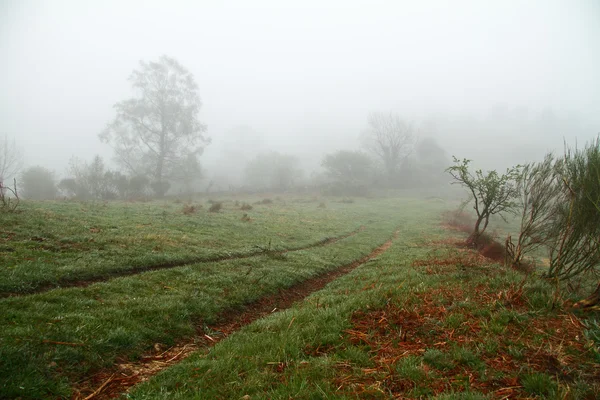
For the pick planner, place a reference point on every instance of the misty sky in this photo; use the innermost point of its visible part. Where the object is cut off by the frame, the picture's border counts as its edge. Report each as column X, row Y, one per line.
column 303, row 74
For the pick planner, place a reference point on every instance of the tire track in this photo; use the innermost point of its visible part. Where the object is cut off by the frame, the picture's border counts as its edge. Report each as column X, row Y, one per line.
column 112, row 383
column 109, row 275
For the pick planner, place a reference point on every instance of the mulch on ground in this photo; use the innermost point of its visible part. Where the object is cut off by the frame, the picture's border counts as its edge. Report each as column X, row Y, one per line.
column 553, row 345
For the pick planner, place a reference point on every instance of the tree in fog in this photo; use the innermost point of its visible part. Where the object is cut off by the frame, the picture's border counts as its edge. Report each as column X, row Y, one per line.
column 188, row 172
column 235, row 148
column 10, row 160
column 430, row 163
column 272, row 171
column 89, row 180
column 492, row 193
column 390, row 139
column 38, row 183
column 68, row 187
column 431, row 155
column 349, row 172
column 119, row 183
column 157, row 129
column 348, row 166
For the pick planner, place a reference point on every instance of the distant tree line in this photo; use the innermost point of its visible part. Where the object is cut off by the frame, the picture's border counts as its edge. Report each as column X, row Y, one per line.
column 158, row 139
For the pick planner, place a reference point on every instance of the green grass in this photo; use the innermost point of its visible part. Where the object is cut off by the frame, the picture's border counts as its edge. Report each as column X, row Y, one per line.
column 411, row 368
column 389, row 328
column 125, row 317
column 241, row 364
column 539, row 384
column 268, row 359
column 49, row 243
column 438, row 359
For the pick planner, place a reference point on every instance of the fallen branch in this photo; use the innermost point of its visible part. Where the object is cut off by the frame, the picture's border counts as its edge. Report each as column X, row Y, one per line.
column 97, row 391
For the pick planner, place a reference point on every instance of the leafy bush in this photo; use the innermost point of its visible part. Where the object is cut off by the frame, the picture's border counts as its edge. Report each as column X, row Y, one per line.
column 38, row 183
column 492, row 193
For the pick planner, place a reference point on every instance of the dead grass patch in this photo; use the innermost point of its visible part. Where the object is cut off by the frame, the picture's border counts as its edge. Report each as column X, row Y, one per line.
column 459, row 258
column 189, row 209
column 215, row 207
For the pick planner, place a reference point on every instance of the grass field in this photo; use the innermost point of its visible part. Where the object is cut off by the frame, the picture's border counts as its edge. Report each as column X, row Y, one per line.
column 235, row 304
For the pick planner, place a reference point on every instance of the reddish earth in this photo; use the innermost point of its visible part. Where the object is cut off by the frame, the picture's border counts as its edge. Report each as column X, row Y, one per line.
column 486, row 245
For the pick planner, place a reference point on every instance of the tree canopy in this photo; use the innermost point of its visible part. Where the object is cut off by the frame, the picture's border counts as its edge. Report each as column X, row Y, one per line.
column 272, row 171
column 347, row 166
column 157, row 131
column 38, row 183
column 390, row 139
column 492, row 193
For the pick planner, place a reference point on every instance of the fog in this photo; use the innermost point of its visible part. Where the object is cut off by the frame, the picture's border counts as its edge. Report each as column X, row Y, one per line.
column 500, row 82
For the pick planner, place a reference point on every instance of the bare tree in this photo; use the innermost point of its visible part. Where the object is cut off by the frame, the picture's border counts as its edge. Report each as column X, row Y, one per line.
column 91, row 180
column 157, row 130
column 11, row 159
column 390, row 138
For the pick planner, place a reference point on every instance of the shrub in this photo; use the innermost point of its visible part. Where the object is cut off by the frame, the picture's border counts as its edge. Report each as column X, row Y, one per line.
column 216, row 207
column 38, row 183
column 189, row 209
column 246, row 218
column 575, row 248
column 539, row 191
column 264, row 201
column 491, row 192
column 246, row 207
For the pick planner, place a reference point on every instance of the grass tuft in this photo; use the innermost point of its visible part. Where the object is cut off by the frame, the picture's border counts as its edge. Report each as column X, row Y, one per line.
column 539, row 384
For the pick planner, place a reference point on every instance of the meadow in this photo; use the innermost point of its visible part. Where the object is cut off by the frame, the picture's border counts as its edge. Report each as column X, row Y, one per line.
column 286, row 297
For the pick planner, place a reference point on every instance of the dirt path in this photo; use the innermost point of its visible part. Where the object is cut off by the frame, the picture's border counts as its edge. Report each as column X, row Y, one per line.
column 74, row 282
column 116, row 381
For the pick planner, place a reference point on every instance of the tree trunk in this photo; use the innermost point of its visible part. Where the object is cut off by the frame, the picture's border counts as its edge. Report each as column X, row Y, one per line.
column 161, row 158
column 474, row 237
column 590, row 303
